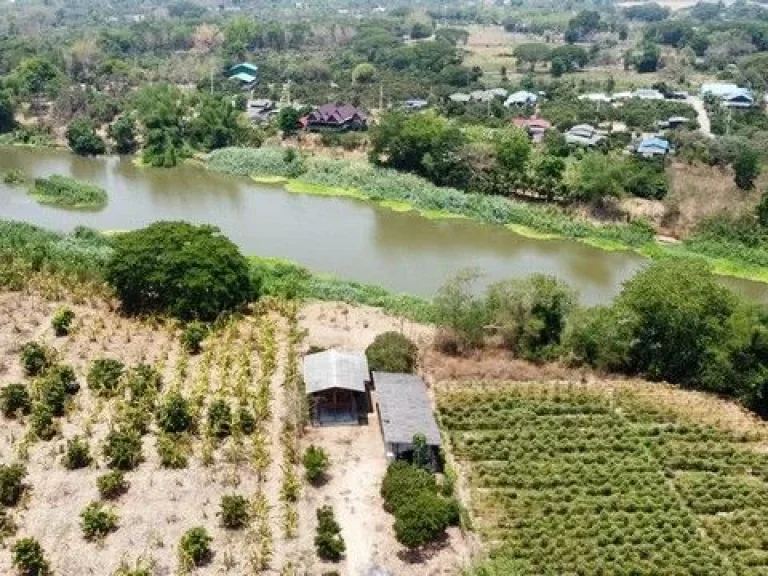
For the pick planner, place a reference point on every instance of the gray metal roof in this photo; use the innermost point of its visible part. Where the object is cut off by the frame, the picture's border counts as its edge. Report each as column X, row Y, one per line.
column 335, row 369
column 405, row 408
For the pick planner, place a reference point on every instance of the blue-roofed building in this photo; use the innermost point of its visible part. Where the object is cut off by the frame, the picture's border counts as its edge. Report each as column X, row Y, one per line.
column 653, row 146
column 244, row 73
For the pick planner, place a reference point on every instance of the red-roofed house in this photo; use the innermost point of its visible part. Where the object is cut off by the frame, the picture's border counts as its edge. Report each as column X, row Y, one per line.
column 336, row 117
column 534, row 126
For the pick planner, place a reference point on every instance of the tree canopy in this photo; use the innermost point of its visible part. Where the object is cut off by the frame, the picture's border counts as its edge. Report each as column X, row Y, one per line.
column 191, row 272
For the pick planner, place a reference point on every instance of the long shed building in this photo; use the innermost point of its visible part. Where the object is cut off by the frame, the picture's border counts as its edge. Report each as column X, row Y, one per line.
column 404, row 411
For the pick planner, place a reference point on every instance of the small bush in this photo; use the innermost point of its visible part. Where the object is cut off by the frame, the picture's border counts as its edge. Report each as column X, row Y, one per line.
column 137, row 417
column 62, row 321
column 172, row 451
column 66, row 376
column 174, row 415
column 234, row 511
column 316, row 464
column 41, row 421
column 77, row 455
column 195, row 547
column 193, row 336
column 122, row 449
column 104, row 376
column 392, row 352
column 112, row 485
column 11, row 485
column 28, row 557
column 97, row 521
column 143, row 383
column 139, row 568
column 328, row 541
column 14, row 400
column 35, row 358
column 246, row 422
column 52, row 393
column 220, row 419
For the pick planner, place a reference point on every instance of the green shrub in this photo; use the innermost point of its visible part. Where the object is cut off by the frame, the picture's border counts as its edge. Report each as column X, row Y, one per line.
column 77, row 455
column 195, row 547
column 316, row 464
column 246, row 422
column 28, row 557
column 36, row 358
column 403, row 482
column 191, row 272
column 97, row 521
column 328, row 541
column 423, row 519
column 104, row 376
column 11, row 483
column 52, row 393
column 234, row 511
column 220, row 419
column 13, row 176
column 83, row 138
column 122, row 449
column 68, row 192
column 41, row 421
column 14, row 399
column 62, row 321
column 112, row 485
column 135, row 416
column 174, row 414
column 139, row 568
column 66, row 377
column 172, row 451
column 193, row 336
column 392, row 352
column 143, row 383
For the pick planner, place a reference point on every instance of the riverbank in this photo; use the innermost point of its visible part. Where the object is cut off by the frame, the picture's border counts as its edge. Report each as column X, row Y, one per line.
column 322, row 176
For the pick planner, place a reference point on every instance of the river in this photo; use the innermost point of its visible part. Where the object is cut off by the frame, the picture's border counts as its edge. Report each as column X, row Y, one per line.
column 348, row 238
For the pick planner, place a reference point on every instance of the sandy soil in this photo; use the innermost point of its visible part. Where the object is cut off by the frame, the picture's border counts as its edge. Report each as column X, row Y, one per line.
column 161, row 504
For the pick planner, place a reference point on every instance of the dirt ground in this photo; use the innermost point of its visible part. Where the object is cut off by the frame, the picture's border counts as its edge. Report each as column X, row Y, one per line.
column 161, row 504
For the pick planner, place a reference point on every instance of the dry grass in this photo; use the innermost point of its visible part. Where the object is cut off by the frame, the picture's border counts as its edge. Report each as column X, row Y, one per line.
column 700, row 191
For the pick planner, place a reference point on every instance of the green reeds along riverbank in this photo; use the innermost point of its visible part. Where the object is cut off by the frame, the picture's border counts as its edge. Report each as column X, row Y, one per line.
column 401, row 192
column 68, row 193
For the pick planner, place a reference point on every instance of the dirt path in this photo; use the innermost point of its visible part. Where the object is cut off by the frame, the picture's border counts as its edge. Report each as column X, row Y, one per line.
column 705, row 126
column 275, row 472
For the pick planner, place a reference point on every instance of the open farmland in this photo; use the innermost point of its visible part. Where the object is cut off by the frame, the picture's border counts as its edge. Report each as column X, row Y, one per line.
column 576, row 479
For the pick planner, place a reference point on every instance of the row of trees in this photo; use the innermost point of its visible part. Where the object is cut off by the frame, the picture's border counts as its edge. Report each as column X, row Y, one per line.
column 673, row 321
column 503, row 161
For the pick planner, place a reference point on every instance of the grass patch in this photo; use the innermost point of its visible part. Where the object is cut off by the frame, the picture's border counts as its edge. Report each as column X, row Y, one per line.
column 68, row 193
column 269, row 179
column 299, row 187
column 617, row 481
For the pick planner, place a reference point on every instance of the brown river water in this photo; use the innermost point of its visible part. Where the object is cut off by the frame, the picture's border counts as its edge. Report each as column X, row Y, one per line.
column 351, row 239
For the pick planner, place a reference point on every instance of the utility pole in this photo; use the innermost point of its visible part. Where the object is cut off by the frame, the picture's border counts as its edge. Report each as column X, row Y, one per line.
column 381, row 97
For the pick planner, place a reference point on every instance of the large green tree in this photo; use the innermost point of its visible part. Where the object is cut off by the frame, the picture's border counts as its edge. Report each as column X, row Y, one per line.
column 191, row 272
column 7, row 118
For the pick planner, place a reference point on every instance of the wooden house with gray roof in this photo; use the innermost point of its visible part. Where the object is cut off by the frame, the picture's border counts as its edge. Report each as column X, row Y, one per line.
column 337, row 387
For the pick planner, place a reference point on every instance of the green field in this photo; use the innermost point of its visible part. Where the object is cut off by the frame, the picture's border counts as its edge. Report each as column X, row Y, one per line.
column 569, row 479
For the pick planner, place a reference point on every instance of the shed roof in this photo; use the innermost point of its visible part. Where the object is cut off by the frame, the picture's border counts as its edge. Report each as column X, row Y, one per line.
column 335, row 369
column 405, row 408
column 247, row 65
column 243, row 77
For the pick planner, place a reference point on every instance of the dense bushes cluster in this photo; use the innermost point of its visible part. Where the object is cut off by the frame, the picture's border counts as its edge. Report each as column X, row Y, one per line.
column 68, row 192
column 673, row 321
column 328, row 541
column 421, row 513
column 392, row 352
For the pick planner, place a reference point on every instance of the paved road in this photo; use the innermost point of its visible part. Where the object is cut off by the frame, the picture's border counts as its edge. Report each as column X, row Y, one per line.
column 701, row 115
